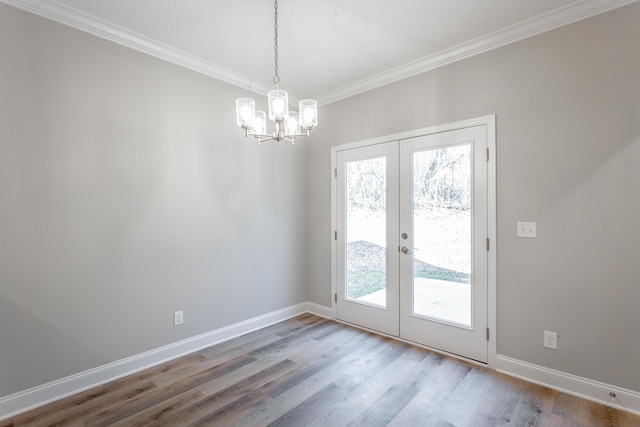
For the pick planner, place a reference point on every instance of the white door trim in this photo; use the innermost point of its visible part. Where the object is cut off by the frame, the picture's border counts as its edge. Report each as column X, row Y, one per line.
column 490, row 123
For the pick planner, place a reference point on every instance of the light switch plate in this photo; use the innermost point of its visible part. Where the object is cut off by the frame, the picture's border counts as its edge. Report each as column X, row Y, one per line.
column 526, row 229
column 178, row 318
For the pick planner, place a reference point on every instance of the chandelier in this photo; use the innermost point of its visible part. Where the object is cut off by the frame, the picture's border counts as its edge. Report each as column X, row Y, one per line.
column 288, row 124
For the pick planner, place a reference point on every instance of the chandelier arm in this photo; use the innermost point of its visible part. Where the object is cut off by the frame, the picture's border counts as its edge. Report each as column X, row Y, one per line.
column 294, row 135
column 260, row 135
column 265, row 139
column 289, row 137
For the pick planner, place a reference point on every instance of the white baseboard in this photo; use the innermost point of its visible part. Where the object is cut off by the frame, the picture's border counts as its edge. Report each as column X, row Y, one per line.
column 23, row 401
column 319, row 310
column 626, row 400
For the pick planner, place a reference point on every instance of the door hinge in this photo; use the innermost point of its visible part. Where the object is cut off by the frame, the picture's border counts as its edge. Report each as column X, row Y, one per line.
column 487, row 154
column 335, row 297
column 488, row 246
column 335, row 173
column 487, row 334
column 335, row 235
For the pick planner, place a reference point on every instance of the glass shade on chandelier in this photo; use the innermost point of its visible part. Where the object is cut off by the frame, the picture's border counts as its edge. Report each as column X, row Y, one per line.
column 308, row 113
column 278, row 104
column 245, row 112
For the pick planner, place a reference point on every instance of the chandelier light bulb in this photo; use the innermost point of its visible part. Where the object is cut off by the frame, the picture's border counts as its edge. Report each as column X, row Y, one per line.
column 278, row 107
column 309, row 113
column 278, row 104
column 260, row 123
column 292, row 123
column 245, row 111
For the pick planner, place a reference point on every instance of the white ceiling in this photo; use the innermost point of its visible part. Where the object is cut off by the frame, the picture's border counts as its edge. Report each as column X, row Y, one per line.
column 328, row 49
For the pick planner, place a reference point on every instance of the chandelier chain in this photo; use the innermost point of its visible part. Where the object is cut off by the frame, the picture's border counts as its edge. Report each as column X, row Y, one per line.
column 276, row 77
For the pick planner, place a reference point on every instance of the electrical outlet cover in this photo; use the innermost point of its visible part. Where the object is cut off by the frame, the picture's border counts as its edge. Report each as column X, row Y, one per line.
column 526, row 229
column 551, row 340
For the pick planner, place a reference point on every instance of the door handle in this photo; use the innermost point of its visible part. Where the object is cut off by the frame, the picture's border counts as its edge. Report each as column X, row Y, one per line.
column 405, row 250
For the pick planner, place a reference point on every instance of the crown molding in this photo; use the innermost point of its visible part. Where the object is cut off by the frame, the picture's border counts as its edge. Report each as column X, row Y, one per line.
column 569, row 14
column 66, row 15
column 74, row 18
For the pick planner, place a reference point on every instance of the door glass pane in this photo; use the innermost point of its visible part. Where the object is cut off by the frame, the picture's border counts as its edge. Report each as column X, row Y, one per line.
column 442, row 234
column 366, row 258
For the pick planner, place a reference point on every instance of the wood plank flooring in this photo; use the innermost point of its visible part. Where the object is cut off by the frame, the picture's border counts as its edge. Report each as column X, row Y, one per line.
column 310, row 371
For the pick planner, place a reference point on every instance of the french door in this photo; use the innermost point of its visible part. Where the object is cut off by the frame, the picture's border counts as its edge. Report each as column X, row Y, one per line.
column 368, row 224
column 411, row 239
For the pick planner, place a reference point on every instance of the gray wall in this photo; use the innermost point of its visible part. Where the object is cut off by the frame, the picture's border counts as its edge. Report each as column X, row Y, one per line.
column 127, row 193
column 568, row 157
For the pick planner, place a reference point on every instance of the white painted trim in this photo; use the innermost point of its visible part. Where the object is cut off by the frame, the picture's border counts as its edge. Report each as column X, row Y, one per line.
column 626, row 400
column 334, row 229
column 461, row 124
column 67, row 15
column 549, row 21
column 23, row 401
column 492, row 287
column 79, row 20
column 492, row 233
column 319, row 310
column 17, row 403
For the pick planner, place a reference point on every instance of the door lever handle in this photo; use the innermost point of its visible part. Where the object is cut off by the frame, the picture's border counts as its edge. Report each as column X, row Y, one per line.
column 405, row 250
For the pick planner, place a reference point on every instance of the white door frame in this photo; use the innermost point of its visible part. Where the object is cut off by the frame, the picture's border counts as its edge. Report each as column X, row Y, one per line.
column 492, row 296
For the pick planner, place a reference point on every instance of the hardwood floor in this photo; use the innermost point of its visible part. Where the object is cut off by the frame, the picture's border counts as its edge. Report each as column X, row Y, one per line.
column 310, row 371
